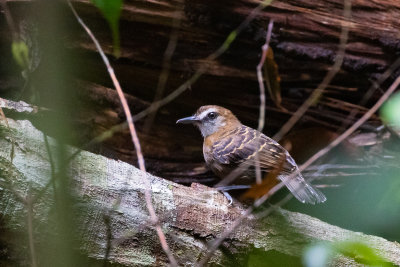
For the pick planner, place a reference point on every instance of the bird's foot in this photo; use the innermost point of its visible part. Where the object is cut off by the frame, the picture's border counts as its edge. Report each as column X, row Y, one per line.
column 224, row 190
column 228, row 197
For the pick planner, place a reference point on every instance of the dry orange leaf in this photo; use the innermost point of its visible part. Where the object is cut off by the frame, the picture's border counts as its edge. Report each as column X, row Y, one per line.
column 258, row 190
column 272, row 78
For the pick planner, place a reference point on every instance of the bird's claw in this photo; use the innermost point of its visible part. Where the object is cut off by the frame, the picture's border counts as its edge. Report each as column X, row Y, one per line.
column 225, row 189
column 228, row 197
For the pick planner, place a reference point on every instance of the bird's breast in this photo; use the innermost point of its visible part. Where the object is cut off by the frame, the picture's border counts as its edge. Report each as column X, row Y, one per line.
column 208, row 152
column 209, row 157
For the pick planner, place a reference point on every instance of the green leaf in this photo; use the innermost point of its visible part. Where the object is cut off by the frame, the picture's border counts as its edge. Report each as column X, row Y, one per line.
column 20, row 53
column 231, row 37
column 361, row 253
column 319, row 255
column 390, row 111
column 111, row 10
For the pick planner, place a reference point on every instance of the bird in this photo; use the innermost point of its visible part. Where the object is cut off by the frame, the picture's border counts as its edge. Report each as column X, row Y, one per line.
column 228, row 144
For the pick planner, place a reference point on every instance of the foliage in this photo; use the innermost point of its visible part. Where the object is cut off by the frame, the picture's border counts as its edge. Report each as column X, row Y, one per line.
column 320, row 254
column 390, row 111
column 20, row 53
column 272, row 78
column 111, row 10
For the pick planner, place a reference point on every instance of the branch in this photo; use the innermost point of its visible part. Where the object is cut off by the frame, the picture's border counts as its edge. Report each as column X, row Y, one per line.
column 261, row 119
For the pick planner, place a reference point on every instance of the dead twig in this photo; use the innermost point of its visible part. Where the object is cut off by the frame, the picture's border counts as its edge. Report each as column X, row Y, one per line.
column 52, row 164
column 29, row 206
column 10, row 21
column 166, row 65
column 325, row 82
column 134, row 136
column 265, row 47
column 261, row 119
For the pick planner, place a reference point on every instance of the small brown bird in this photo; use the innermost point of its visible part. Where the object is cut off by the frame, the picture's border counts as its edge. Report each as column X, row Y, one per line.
column 228, row 144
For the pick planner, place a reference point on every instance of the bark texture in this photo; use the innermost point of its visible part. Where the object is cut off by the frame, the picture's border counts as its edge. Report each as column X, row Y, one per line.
column 190, row 216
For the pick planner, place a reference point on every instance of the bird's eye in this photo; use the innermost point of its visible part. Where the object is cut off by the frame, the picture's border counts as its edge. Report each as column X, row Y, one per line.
column 212, row 115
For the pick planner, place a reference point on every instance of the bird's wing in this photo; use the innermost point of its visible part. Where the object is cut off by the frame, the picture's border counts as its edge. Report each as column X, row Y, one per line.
column 241, row 146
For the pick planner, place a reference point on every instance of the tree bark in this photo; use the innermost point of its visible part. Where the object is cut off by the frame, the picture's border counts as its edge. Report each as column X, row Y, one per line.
column 190, row 216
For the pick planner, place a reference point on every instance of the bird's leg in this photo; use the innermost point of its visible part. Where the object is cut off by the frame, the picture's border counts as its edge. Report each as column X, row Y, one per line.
column 224, row 190
column 232, row 187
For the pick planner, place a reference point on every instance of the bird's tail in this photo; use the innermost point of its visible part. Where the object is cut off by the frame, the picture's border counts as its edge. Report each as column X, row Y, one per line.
column 302, row 190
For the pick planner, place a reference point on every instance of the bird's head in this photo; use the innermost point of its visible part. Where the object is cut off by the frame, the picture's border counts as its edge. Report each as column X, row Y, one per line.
column 211, row 119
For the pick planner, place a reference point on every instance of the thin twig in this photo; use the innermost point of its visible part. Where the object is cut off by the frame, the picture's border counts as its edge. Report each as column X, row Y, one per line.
column 54, row 173
column 327, row 79
column 261, row 119
column 10, row 21
column 342, row 174
column 134, row 136
column 52, row 165
column 273, row 207
column 166, row 65
column 325, row 167
column 29, row 206
column 265, row 47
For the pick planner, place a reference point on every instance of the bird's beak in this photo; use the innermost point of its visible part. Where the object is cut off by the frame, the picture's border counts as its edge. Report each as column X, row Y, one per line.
column 188, row 120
